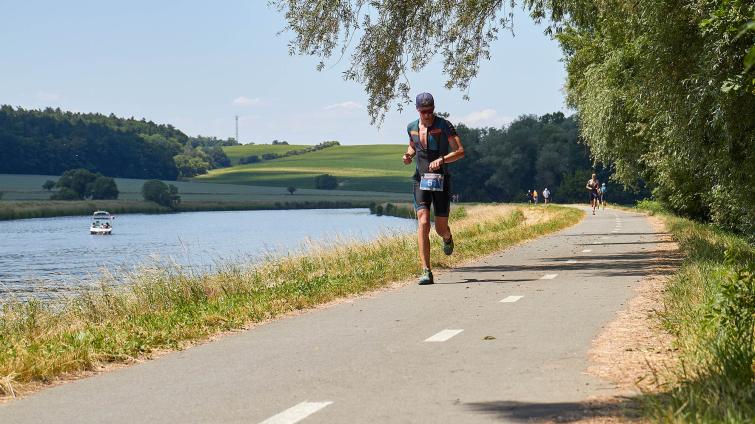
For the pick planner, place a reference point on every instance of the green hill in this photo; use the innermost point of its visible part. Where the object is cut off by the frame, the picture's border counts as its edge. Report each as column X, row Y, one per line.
column 362, row 168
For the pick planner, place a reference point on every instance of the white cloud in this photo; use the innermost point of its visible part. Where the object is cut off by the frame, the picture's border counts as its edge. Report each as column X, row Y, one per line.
column 485, row 118
column 348, row 105
column 47, row 97
column 246, row 101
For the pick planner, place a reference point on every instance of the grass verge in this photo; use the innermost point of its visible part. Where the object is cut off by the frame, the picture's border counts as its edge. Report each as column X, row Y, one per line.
column 710, row 309
column 169, row 309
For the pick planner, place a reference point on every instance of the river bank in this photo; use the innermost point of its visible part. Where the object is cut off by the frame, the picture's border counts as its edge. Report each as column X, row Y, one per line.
column 51, row 208
column 166, row 308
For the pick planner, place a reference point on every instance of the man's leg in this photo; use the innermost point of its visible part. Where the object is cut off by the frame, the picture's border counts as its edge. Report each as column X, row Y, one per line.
column 423, row 236
column 441, row 227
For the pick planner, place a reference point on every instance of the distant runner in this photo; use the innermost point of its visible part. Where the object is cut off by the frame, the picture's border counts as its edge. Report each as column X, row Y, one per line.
column 534, row 195
column 546, row 195
column 434, row 141
column 603, row 195
column 593, row 185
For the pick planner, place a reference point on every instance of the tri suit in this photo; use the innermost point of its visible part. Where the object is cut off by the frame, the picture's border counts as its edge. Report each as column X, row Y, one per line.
column 437, row 146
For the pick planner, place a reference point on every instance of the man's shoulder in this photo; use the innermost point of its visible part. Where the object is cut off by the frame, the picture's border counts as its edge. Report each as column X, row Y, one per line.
column 443, row 122
column 414, row 125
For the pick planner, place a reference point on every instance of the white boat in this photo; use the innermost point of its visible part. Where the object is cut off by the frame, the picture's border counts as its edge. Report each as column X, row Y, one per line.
column 102, row 223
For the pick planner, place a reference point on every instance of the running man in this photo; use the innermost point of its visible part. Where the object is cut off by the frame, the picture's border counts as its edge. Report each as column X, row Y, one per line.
column 546, row 195
column 603, row 195
column 435, row 143
column 593, row 186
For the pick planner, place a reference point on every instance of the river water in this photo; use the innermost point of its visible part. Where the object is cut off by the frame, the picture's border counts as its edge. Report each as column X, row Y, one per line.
column 40, row 257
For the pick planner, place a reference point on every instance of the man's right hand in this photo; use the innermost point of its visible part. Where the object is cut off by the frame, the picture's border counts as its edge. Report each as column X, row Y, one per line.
column 407, row 158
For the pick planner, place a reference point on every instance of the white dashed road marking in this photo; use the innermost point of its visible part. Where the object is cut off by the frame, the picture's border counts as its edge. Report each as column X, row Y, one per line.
column 296, row 413
column 443, row 336
column 571, row 261
column 587, row 251
column 548, row 276
column 511, row 299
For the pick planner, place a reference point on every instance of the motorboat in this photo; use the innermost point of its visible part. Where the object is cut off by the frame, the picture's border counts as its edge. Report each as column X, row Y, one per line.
column 102, row 223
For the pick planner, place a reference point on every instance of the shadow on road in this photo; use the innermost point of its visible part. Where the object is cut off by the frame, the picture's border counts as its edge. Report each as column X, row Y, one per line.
column 606, row 265
column 560, row 412
column 499, row 280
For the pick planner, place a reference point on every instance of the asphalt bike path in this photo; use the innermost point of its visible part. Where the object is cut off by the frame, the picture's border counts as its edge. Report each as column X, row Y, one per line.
column 504, row 339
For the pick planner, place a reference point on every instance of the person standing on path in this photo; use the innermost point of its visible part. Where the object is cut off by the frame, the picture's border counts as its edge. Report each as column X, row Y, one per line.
column 546, row 195
column 593, row 186
column 435, row 143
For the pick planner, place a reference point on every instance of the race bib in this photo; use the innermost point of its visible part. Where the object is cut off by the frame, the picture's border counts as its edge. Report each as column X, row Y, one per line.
column 431, row 182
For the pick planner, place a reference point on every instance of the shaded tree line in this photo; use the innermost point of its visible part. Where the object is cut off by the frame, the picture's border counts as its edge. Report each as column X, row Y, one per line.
column 51, row 141
column 501, row 164
column 272, row 156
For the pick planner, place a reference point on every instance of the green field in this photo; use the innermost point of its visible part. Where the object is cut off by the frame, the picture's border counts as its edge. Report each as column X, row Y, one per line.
column 363, row 168
column 29, row 187
column 235, row 153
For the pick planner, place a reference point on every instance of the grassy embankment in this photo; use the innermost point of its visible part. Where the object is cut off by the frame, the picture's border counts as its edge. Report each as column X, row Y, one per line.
column 371, row 168
column 25, row 198
column 167, row 309
column 710, row 309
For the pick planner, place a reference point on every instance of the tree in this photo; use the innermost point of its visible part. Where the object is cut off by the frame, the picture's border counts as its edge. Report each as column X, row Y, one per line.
column 291, row 189
column 326, row 182
column 190, row 166
column 161, row 193
column 79, row 183
column 663, row 98
column 104, row 188
column 397, row 35
column 217, row 157
column 665, row 90
column 48, row 185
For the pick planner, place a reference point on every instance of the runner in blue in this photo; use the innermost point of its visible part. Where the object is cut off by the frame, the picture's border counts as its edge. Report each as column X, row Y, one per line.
column 435, row 143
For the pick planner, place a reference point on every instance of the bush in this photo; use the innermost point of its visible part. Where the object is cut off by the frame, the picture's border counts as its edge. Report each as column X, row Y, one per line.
column 104, row 188
column 291, row 189
column 161, row 193
column 326, row 182
column 48, row 185
column 249, row 159
column 79, row 183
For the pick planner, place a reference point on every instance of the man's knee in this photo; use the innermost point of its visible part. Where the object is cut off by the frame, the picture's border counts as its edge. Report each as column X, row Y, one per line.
column 423, row 219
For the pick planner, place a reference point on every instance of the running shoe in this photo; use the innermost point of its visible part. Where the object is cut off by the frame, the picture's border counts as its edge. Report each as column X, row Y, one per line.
column 448, row 246
column 426, row 278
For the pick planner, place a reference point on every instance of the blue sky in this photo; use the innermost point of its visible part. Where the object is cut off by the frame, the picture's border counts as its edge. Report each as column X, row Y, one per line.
column 197, row 64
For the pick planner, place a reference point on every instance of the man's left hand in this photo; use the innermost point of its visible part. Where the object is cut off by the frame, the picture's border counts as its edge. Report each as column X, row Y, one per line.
column 435, row 165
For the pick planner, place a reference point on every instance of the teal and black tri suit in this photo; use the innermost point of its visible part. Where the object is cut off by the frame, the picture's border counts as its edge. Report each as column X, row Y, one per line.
column 437, row 146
